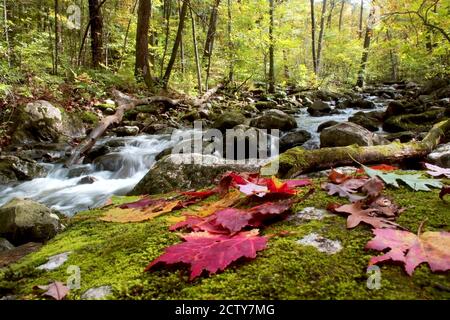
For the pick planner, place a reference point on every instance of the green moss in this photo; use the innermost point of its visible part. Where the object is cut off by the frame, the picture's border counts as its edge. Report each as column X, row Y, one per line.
column 89, row 117
column 116, row 254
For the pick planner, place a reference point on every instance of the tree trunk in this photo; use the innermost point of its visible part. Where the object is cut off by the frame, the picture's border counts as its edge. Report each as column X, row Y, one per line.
column 209, row 43
column 230, row 44
column 330, row 14
column 365, row 56
column 142, row 68
column 361, row 13
column 176, row 45
column 313, row 36
column 271, row 49
column 197, row 58
column 95, row 16
column 321, row 33
column 298, row 161
column 341, row 14
column 393, row 58
column 182, row 61
column 167, row 11
column 57, row 30
column 8, row 45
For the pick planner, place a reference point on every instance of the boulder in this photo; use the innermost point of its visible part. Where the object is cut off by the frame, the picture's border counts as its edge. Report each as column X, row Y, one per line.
column 319, row 108
column 346, row 134
column 14, row 169
column 23, row 221
column 441, row 156
column 274, row 119
column 365, row 120
column 327, row 124
column 246, row 142
column 5, row 245
column 404, row 136
column 228, row 120
column 414, row 122
column 356, row 104
column 294, row 139
column 187, row 171
column 396, row 108
column 434, row 84
column 127, row 131
column 40, row 121
column 265, row 105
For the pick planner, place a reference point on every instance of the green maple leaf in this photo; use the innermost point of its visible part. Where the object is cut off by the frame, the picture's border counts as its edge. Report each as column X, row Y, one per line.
column 414, row 181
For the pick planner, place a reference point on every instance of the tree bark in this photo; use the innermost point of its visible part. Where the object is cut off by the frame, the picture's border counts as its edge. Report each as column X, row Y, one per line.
column 298, row 161
column 176, row 45
column 313, row 36
column 197, row 58
column 209, row 43
column 341, row 14
column 361, row 13
column 321, row 33
column 167, row 10
column 365, row 56
column 57, row 34
column 330, row 14
column 142, row 68
column 96, row 20
column 8, row 45
column 271, row 49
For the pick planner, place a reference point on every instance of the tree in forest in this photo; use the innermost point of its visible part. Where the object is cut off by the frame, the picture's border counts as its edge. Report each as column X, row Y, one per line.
column 271, row 48
column 176, row 45
column 371, row 20
column 210, row 37
column 96, row 24
column 142, row 66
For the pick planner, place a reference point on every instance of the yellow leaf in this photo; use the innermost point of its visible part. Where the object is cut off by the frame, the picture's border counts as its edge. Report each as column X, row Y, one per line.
column 136, row 215
column 209, row 208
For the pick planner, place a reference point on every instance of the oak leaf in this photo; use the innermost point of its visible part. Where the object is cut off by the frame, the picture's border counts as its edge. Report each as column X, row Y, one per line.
column 136, row 215
column 437, row 171
column 57, row 290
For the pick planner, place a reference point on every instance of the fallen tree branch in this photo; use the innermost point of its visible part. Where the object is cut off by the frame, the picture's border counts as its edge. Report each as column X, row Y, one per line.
column 298, row 160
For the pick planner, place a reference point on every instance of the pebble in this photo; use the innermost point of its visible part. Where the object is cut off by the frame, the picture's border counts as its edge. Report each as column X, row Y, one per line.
column 55, row 261
column 322, row 244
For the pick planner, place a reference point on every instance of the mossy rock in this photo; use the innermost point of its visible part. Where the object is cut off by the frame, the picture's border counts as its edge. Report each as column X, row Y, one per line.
column 414, row 122
column 89, row 117
column 229, row 120
column 13, row 169
column 114, row 254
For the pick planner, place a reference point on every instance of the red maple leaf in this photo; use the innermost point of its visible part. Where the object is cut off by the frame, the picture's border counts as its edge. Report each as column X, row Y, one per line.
column 211, row 252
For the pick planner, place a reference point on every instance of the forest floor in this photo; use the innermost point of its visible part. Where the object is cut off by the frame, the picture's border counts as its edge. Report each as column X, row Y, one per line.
column 115, row 255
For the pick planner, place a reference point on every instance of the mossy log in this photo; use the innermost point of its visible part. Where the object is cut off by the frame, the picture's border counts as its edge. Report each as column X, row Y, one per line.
column 124, row 104
column 298, row 160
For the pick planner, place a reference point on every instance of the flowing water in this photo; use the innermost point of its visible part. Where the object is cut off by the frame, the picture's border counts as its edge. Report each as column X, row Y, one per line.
column 121, row 169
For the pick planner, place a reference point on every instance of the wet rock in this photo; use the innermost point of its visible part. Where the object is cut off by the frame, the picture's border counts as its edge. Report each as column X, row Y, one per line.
column 97, row 152
column 97, row 293
column 265, row 105
column 55, row 261
column 87, row 180
column 40, row 121
column 404, row 136
column 434, row 84
column 326, row 124
column 441, row 156
column 77, row 171
column 22, row 221
column 5, row 245
column 294, row 139
column 365, row 120
column 309, row 213
column 320, row 243
column 244, row 142
column 319, row 108
column 274, row 119
column 346, row 134
column 188, row 171
column 228, row 120
column 127, row 131
column 13, row 169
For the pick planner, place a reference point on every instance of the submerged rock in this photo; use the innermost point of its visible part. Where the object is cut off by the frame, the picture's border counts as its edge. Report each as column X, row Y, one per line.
column 346, row 134
column 320, row 243
column 188, row 171
column 23, row 221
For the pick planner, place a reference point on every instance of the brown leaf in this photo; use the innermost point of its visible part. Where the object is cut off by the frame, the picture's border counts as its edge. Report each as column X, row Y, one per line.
column 57, row 290
column 373, row 187
column 207, row 209
column 337, row 177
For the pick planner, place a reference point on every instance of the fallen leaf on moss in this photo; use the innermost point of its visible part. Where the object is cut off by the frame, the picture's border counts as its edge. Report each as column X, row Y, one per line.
column 136, row 215
column 230, row 199
column 411, row 249
column 203, row 251
column 57, row 290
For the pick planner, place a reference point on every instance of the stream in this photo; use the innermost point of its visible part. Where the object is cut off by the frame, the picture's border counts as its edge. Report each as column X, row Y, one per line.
column 125, row 166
